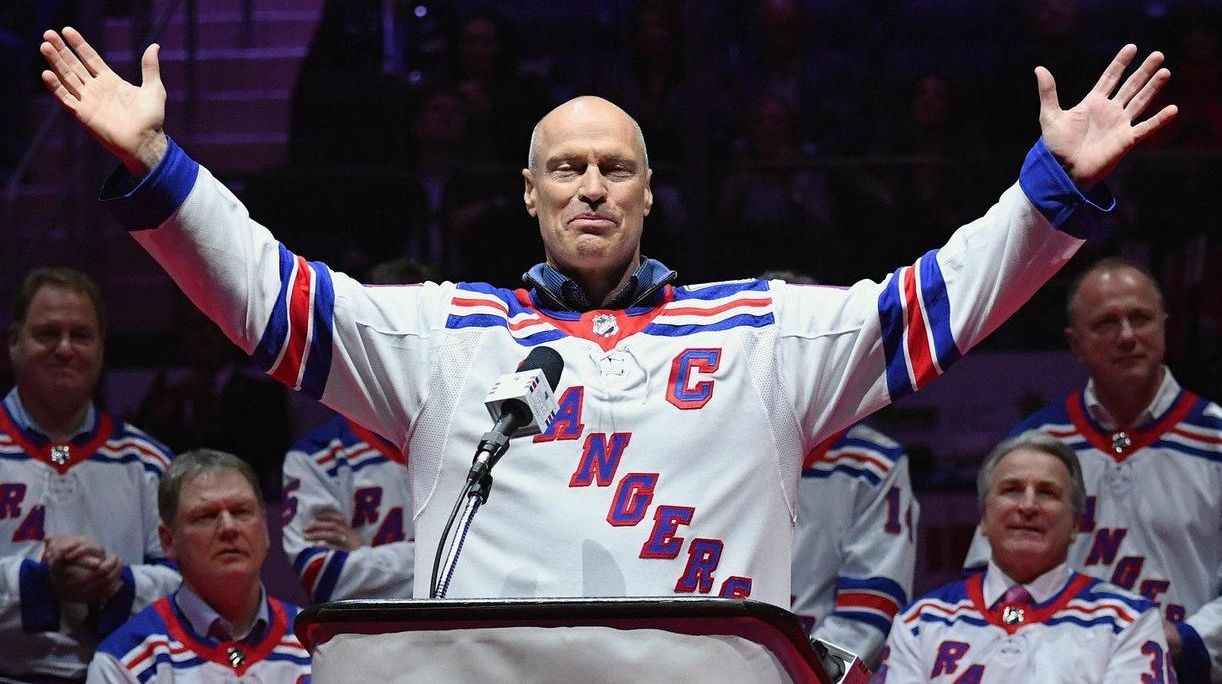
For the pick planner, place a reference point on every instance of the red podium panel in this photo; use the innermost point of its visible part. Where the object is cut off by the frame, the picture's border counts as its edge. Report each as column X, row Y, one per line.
column 560, row 640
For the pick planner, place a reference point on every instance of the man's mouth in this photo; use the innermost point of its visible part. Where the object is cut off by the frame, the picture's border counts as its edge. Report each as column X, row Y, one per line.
column 595, row 221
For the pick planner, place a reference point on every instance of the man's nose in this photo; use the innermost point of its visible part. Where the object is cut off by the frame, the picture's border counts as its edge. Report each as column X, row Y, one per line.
column 1126, row 331
column 593, row 187
column 1028, row 502
column 63, row 344
column 227, row 523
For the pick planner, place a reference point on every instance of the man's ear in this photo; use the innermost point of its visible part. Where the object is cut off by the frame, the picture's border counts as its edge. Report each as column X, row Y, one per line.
column 648, row 191
column 528, row 195
column 1071, row 340
column 167, row 541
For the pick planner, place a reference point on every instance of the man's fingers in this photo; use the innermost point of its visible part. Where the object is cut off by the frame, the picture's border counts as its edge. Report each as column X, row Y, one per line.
column 1151, row 125
column 71, row 62
column 63, row 75
column 1139, row 78
column 150, row 66
column 1047, row 86
column 66, row 99
column 88, row 56
column 1135, row 106
column 1111, row 75
column 109, row 568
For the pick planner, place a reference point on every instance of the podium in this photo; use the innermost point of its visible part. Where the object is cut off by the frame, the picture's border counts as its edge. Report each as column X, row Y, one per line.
column 588, row 641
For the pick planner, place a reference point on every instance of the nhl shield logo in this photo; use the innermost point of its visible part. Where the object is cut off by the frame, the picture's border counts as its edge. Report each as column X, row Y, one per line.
column 604, row 325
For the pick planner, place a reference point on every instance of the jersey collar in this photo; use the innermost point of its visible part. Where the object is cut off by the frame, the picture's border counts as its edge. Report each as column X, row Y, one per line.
column 554, row 289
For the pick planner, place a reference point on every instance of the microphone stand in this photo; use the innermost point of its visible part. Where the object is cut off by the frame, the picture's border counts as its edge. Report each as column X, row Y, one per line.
column 492, row 446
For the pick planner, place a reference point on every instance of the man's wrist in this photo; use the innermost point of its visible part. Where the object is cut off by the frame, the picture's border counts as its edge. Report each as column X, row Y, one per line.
column 148, row 155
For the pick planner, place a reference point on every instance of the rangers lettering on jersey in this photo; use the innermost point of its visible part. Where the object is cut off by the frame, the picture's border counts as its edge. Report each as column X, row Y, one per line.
column 785, row 366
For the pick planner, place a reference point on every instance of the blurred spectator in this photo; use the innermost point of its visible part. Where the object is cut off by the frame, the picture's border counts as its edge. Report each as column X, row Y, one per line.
column 771, row 197
column 220, row 625
column 464, row 218
column 347, row 519
column 815, row 70
column 79, row 551
column 941, row 164
column 21, row 26
column 346, row 111
column 502, row 103
column 220, row 402
column 14, row 93
column 648, row 82
column 1049, row 33
column 1195, row 50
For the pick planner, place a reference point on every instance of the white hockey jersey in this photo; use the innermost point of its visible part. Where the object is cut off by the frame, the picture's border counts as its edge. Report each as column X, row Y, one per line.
column 672, row 467
column 1152, row 522
column 1088, row 633
column 854, row 547
column 341, row 466
column 102, row 485
column 158, row 646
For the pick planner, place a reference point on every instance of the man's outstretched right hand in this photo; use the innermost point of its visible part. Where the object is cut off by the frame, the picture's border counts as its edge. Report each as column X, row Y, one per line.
column 126, row 119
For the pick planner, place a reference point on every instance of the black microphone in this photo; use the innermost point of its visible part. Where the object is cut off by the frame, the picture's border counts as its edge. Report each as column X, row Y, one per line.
column 521, row 403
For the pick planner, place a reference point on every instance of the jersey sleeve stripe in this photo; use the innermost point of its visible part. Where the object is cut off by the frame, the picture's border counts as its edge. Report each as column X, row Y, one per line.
column 318, row 364
column 330, row 575
column 917, row 337
column 288, row 366
column 891, row 322
column 270, row 344
column 936, row 303
column 874, row 585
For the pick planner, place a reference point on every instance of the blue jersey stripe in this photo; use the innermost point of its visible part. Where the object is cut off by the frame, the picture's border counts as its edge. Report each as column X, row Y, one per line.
column 510, row 300
column 937, row 310
column 268, row 350
column 892, row 454
column 156, row 469
column 330, row 576
column 318, row 359
column 288, row 657
column 891, row 325
column 875, row 620
column 719, row 290
column 975, row 621
column 1117, row 626
column 739, row 321
column 304, row 558
column 885, row 585
column 1207, row 454
column 823, row 474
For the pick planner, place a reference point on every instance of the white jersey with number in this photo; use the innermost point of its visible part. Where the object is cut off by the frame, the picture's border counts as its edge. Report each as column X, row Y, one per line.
column 1087, row 633
column 854, row 547
column 1152, row 522
column 672, row 466
column 159, row 646
column 102, row 485
column 341, row 466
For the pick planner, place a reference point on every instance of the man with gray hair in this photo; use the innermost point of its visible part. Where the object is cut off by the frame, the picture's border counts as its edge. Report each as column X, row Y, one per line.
column 220, row 624
column 1029, row 617
column 1150, row 452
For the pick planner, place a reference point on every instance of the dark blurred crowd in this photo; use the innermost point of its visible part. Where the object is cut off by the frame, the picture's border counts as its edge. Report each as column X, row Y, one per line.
column 837, row 139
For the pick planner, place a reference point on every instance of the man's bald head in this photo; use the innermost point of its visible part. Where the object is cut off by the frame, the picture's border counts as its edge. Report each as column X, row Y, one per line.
column 584, row 105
